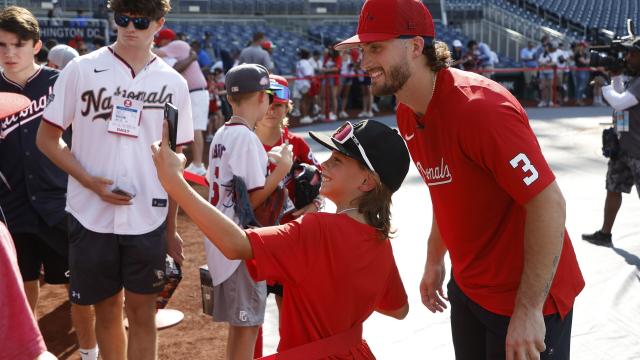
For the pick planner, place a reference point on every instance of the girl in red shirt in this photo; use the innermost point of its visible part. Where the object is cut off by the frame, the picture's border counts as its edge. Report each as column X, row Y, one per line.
column 336, row 268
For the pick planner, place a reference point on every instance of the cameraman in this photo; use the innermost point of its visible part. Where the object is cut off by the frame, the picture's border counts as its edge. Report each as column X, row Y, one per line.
column 624, row 169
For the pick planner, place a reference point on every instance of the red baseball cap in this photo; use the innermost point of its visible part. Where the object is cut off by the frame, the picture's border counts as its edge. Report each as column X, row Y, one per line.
column 267, row 45
column 382, row 20
column 165, row 34
column 11, row 103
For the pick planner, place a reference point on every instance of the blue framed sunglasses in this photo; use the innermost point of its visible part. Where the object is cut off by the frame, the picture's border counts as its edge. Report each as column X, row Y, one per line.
column 280, row 92
column 140, row 23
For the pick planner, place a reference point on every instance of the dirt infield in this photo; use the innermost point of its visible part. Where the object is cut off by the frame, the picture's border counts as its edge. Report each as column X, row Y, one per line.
column 197, row 337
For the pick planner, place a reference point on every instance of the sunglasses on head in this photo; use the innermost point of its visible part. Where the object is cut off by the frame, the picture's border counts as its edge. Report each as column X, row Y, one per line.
column 281, row 92
column 346, row 133
column 140, row 23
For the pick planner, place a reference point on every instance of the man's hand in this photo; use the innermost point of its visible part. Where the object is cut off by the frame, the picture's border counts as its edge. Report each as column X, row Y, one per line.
column 525, row 336
column 169, row 165
column 433, row 296
column 174, row 246
column 101, row 186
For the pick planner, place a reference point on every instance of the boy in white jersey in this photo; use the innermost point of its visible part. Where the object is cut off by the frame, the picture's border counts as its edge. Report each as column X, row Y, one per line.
column 237, row 151
column 122, row 222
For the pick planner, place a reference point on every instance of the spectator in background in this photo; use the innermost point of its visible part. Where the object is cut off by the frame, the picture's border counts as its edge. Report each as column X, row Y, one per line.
column 565, row 57
column 346, row 80
column 304, row 71
column 548, row 60
column 581, row 74
column 268, row 46
column 203, row 58
column 487, row 59
column 331, row 68
column 76, row 42
column 316, row 63
column 470, row 58
column 544, row 43
column 207, row 45
column 42, row 56
column 50, row 43
column 182, row 37
column 98, row 42
column 177, row 50
column 364, row 81
column 60, row 55
column 527, row 56
column 456, row 54
column 255, row 54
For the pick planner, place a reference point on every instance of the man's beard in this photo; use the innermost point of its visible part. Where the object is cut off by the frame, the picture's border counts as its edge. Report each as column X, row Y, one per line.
column 394, row 80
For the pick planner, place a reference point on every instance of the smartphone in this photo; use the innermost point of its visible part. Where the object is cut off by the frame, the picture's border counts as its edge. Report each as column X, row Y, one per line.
column 171, row 114
column 119, row 191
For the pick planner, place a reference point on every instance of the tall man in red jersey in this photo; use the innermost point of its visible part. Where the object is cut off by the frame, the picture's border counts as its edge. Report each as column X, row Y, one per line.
column 497, row 208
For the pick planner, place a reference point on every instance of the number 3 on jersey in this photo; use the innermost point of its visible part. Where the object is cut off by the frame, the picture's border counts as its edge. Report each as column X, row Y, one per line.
column 215, row 188
column 526, row 168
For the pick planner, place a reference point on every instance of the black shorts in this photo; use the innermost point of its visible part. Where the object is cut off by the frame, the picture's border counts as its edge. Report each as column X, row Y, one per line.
column 102, row 264
column 276, row 289
column 480, row 334
column 622, row 173
column 48, row 249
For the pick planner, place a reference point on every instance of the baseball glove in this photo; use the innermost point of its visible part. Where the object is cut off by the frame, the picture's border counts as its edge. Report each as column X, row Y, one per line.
column 269, row 213
column 307, row 184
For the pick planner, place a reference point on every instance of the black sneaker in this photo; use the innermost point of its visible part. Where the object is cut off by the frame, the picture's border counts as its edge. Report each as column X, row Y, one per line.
column 598, row 238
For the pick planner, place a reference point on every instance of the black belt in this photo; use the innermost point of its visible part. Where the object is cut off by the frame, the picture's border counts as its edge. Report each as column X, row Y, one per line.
column 198, row 89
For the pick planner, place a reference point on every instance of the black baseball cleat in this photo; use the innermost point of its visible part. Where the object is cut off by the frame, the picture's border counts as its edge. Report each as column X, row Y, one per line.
column 598, row 238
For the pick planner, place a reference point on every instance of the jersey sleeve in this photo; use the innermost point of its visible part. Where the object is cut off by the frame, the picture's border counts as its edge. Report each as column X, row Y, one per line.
column 176, row 49
column 248, row 160
column 303, row 151
column 185, row 123
column 501, row 141
column 284, row 253
column 61, row 106
column 394, row 296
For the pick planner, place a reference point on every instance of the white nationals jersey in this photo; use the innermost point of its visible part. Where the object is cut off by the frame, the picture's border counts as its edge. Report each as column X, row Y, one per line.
column 235, row 150
column 83, row 97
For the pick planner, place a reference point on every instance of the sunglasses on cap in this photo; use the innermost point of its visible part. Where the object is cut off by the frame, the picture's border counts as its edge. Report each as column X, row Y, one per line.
column 281, row 92
column 346, row 133
column 140, row 23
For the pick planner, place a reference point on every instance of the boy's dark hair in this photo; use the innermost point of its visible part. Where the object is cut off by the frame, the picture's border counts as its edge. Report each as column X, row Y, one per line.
column 438, row 55
column 20, row 21
column 155, row 9
column 238, row 99
column 375, row 205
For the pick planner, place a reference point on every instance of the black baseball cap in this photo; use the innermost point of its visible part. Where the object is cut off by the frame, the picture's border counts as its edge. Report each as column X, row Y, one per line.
column 383, row 147
column 247, row 78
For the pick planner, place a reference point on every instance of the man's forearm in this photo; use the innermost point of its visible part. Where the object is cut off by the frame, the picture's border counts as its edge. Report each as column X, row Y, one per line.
column 436, row 249
column 543, row 240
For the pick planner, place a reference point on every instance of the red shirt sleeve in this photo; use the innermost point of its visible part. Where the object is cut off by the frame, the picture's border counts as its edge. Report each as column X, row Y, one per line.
column 302, row 150
column 395, row 295
column 18, row 329
column 497, row 137
column 284, row 253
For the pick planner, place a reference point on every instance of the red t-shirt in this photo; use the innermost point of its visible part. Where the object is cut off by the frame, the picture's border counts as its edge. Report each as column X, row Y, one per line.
column 335, row 271
column 301, row 154
column 19, row 332
column 482, row 162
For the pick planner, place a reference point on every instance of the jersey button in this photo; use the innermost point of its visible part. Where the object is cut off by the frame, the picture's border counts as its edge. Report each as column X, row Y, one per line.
column 30, row 176
column 27, row 153
column 33, row 198
column 26, row 131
